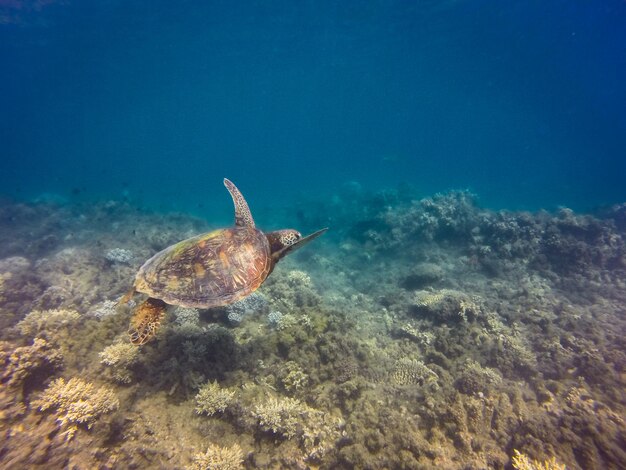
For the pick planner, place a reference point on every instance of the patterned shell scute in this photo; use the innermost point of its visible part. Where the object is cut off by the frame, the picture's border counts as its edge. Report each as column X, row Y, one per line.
column 209, row 270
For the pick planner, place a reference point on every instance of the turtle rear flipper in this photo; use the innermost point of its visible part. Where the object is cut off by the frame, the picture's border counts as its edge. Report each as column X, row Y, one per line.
column 146, row 321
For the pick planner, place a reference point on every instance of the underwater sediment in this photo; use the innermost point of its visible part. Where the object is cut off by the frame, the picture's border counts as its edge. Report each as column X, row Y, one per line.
column 417, row 333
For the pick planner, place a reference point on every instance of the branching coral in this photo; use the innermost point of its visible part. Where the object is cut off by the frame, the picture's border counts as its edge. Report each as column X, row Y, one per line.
column 211, row 398
column 77, row 402
column 120, row 357
column 291, row 418
column 522, row 462
column 294, row 378
column 23, row 362
column 37, row 321
column 218, row 458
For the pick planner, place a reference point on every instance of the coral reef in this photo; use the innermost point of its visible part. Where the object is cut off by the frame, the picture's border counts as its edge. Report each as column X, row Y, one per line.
column 419, row 333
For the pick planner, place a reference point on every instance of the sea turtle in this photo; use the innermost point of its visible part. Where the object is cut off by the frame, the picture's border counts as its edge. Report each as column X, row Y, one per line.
column 209, row 270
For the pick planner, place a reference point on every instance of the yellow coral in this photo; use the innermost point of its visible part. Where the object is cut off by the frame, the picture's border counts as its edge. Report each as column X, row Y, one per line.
column 280, row 415
column 119, row 357
column 218, row 458
column 77, row 402
column 316, row 430
column 49, row 320
column 22, row 362
column 211, row 398
column 522, row 462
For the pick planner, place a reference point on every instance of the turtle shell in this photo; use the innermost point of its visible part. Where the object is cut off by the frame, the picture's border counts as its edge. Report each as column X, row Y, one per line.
column 209, row 270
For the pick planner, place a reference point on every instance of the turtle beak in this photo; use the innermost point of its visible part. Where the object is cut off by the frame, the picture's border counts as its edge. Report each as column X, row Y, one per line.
column 299, row 244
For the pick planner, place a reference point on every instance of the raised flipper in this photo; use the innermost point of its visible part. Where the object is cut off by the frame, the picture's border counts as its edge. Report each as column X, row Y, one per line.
column 146, row 321
column 243, row 216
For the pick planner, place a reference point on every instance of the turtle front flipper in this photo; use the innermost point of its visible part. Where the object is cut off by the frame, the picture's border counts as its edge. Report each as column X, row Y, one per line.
column 146, row 321
column 243, row 216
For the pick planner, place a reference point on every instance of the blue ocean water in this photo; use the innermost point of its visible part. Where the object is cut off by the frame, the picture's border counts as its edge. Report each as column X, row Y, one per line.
column 522, row 102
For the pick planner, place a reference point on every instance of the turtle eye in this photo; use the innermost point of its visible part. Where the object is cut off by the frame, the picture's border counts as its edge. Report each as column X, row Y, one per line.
column 289, row 237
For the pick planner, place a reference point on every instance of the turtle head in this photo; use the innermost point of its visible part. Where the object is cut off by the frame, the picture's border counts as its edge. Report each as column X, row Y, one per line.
column 283, row 242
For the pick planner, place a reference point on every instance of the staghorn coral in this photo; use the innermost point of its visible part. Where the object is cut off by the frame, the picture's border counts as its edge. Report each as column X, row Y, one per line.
column 77, row 402
column 522, row 462
column 211, row 398
column 120, row 357
column 218, row 458
column 43, row 322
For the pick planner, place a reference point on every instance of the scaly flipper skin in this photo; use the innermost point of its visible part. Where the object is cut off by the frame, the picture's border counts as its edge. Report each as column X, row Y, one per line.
column 243, row 216
column 146, row 321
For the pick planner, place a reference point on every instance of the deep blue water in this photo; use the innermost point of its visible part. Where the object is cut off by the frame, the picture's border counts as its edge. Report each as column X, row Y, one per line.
column 522, row 102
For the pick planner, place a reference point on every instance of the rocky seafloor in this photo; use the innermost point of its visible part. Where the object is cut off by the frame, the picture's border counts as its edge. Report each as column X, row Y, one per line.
column 417, row 333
